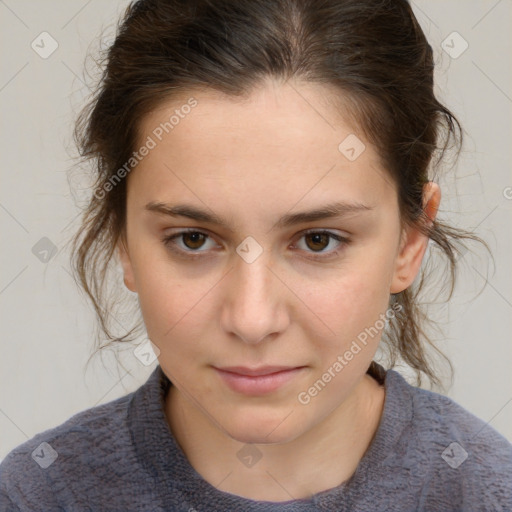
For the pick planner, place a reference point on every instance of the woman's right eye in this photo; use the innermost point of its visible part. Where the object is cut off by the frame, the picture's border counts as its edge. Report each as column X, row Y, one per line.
column 191, row 242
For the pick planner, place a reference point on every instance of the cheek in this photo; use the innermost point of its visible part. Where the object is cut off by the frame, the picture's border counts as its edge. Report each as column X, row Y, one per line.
column 176, row 307
column 349, row 301
column 163, row 296
column 348, row 323
column 167, row 304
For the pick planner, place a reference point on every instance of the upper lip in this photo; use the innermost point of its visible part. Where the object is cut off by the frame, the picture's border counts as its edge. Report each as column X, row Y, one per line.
column 255, row 372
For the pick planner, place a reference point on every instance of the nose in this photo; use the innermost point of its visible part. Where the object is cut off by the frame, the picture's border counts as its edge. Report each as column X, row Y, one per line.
column 254, row 308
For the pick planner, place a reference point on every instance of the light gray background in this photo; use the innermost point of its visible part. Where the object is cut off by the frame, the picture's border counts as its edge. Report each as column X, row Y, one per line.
column 47, row 325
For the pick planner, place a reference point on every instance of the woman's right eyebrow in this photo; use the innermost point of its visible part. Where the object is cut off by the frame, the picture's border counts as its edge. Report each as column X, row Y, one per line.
column 332, row 210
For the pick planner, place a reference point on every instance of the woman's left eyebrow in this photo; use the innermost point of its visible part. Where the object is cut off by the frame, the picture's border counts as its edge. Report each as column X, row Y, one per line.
column 337, row 209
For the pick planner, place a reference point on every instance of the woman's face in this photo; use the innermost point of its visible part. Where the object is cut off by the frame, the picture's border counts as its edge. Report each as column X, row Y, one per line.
column 266, row 315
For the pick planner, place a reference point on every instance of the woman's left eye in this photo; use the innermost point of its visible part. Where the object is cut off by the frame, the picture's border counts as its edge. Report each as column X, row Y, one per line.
column 193, row 242
column 317, row 241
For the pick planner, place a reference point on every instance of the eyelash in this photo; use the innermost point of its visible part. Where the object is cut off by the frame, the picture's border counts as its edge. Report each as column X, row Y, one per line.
column 171, row 244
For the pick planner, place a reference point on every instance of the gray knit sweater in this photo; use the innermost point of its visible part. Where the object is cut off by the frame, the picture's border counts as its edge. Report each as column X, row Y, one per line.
column 429, row 454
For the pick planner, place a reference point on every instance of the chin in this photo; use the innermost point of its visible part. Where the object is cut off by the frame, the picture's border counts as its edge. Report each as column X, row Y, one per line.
column 257, row 437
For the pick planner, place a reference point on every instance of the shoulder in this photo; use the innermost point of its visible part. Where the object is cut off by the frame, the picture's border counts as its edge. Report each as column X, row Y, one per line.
column 463, row 457
column 31, row 473
column 439, row 417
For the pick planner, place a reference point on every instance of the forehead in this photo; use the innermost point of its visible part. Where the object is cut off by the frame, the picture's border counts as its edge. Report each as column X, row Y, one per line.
column 282, row 140
column 273, row 114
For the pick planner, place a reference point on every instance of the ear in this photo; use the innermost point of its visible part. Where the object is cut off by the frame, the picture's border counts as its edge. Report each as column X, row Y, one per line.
column 414, row 243
column 124, row 258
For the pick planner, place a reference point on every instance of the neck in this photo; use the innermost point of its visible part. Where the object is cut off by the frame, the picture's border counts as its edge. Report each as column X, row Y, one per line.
column 322, row 458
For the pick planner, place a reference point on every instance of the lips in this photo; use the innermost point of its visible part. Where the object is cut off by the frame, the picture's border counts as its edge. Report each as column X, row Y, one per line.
column 257, row 381
column 256, row 372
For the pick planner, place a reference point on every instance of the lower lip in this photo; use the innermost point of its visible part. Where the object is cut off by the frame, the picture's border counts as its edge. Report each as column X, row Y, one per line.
column 260, row 384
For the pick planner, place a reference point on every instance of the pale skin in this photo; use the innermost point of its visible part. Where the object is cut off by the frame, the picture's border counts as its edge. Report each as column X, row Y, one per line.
column 251, row 162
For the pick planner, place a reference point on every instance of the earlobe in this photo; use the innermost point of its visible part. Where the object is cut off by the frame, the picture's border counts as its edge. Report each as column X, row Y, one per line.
column 126, row 264
column 414, row 242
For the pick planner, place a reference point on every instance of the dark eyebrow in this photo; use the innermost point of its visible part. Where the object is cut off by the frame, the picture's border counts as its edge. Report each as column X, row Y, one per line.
column 338, row 209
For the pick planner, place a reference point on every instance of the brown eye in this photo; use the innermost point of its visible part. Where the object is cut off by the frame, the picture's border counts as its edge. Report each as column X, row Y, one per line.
column 194, row 244
column 321, row 245
column 194, row 239
column 190, row 243
column 317, row 241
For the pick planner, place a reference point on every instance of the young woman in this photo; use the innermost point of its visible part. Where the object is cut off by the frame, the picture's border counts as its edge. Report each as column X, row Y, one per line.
column 265, row 176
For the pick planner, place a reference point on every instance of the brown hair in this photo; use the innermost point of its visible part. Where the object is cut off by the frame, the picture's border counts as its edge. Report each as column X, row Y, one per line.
column 373, row 51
